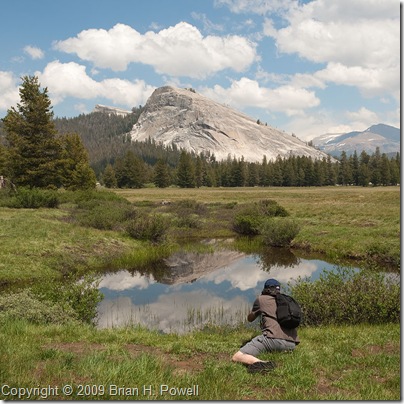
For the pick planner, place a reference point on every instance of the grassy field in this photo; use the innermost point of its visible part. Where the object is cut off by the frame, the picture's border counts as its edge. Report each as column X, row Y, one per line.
column 341, row 222
column 359, row 362
column 331, row 363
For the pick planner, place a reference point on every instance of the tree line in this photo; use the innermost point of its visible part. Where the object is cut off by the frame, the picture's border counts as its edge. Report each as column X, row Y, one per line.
column 190, row 170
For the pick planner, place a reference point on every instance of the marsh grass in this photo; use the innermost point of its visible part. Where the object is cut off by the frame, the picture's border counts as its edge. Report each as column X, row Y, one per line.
column 331, row 363
column 340, row 222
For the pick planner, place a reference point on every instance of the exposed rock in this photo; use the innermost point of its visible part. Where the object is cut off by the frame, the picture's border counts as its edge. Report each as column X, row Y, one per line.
column 196, row 123
column 111, row 110
column 185, row 267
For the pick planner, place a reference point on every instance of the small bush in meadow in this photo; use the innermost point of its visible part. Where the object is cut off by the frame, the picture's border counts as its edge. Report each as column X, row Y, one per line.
column 191, row 221
column 186, row 207
column 104, row 215
column 25, row 305
column 81, row 197
column 279, row 232
column 346, row 296
column 34, row 198
column 247, row 223
column 249, row 219
column 187, row 213
column 271, row 208
column 79, row 295
column 148, row 227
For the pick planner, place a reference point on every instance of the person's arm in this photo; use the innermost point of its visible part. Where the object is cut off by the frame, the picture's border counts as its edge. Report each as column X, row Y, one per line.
column 255, row 312
column 252, row 316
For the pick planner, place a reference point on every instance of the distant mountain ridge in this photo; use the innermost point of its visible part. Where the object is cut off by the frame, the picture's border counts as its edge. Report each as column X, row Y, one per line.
column 190, row 121
column 386, row 137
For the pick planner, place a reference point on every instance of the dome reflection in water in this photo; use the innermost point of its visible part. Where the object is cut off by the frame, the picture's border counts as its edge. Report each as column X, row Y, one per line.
column 190, row 290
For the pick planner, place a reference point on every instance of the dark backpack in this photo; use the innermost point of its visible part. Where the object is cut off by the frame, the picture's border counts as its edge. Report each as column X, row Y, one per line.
column 288, row 311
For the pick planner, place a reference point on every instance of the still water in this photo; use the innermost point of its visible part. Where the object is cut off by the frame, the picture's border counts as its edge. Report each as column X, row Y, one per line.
column 190, row 290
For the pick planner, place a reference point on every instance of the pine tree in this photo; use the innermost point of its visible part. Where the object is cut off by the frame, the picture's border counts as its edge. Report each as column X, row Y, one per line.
column 276, row 172
column 385, row 170
column 130, row 171
column 161, row 174
column 109, row 177
column 186, row 171
column 354, row 163
column 77, row 173
column 34, row 153
column 364, row 174
column 395, row 170
column 198, row 172
column 319, row 173
column 375, row 167
column 3, row 161
column 345, row 173
column 252, row 175
column 330, row 177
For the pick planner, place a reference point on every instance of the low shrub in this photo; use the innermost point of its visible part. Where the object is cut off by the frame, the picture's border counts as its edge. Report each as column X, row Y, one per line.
column 148, row 227
column 191, row 221
column 247, row 223
column 74, row 294
column 33, row 198
column 186, row 207
column 346, row 296
column 279, row 232
column 187, row 213
column 271, row 208
column 190, row 204
column 25, row 305
column 249, row 218
column 104, row 215
column 81, row 197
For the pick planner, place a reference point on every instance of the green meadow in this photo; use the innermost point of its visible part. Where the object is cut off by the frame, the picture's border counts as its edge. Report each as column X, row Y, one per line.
column 340, row 222
column 41, row 355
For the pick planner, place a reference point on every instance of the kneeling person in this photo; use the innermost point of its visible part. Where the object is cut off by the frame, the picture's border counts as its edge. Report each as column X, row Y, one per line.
column 274, row 338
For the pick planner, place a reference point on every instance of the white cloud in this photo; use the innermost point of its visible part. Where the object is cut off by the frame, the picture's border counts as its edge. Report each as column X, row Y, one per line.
column 34, row 52
column 348, row 10
column 359, row 41
column 8, row 90
column 373, row 44
column 124, row 280
column 248, row 93
column 363, row 118
column 180, row 50
column 370, row 81
column 71, row 80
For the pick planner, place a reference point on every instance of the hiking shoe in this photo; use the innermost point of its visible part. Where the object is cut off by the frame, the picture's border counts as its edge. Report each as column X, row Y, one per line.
column 261, row 367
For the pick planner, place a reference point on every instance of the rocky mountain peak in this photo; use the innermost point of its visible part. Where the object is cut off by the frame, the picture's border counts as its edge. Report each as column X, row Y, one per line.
column 196, row 123
column 111, row 110
column 385, row 137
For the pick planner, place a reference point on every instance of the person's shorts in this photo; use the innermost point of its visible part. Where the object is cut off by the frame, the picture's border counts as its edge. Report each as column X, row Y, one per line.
column 261, row 344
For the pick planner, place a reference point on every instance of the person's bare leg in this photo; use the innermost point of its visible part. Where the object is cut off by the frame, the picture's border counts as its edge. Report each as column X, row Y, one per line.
column 245, row 358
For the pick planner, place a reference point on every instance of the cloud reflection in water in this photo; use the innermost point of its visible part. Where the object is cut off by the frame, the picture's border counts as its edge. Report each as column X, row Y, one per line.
column 221, row 294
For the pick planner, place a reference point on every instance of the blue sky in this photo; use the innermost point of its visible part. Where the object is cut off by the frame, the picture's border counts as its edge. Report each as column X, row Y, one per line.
column 306, row 67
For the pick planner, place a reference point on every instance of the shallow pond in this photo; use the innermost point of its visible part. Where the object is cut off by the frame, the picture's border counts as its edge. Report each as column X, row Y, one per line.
column 189, row 290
